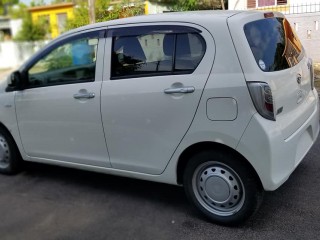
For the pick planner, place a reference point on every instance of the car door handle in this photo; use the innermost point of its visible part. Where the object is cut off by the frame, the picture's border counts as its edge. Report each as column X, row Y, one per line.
column 179, row 90
column 84, row 95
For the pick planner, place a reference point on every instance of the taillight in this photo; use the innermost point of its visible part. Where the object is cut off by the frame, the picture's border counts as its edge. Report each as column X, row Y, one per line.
column 261, row 95
column 310, row 66
column 268, row 15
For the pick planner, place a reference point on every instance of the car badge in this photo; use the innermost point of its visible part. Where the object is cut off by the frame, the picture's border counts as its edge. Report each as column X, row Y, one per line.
column 299, row 78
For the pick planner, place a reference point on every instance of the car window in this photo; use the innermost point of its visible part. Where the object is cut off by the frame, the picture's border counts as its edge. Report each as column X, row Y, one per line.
column 71, row 62
column 190, row 49
column 274, row 44
column 156, row 54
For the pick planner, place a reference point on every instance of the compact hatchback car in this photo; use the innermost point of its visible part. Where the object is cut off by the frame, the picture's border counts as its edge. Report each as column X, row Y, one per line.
column 221, row 102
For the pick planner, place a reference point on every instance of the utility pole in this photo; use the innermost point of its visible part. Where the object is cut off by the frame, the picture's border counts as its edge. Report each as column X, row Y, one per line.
column 92, row 15
column 222, row 4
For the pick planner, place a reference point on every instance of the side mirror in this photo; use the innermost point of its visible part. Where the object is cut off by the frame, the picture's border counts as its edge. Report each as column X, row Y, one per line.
column 15, row 82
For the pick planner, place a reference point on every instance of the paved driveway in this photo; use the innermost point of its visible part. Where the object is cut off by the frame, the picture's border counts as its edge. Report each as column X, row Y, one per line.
column 46, row 202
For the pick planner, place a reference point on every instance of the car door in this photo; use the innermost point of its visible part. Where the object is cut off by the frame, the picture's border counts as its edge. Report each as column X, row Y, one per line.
column 58, row 112
column 151, row 94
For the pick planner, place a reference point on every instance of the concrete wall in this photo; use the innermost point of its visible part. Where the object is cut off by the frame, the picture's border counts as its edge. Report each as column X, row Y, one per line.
column 13, row 54
column 308, row 31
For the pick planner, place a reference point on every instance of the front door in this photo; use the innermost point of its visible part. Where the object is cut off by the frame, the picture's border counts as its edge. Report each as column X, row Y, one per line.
column 151, row 95
column 59, row 111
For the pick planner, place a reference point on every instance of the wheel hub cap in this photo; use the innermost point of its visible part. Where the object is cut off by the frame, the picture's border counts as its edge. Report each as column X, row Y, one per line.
column 4, row 152
column 218, row 188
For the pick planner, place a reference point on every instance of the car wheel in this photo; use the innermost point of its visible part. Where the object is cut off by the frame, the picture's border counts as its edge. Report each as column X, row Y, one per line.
column 10, row 158
column 223, row 187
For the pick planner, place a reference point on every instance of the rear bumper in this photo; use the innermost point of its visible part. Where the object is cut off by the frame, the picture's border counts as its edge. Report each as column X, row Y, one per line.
column 274, row 158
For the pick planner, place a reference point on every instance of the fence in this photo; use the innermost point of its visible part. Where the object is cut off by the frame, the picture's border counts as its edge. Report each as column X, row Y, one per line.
column 293, row 8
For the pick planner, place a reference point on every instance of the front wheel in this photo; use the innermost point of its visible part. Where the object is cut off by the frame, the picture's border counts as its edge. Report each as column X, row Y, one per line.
column 222, row 187
column 10, row 159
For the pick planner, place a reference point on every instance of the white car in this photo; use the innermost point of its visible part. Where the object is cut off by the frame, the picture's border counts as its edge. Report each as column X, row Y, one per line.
column 221, row 102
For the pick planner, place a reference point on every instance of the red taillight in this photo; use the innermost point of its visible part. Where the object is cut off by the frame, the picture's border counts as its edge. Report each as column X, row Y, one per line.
column 261, row 95
column 269, row 107
column 269, row 15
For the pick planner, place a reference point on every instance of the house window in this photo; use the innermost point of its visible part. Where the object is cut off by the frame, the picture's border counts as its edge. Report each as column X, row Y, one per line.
column 265, row 3
column 61, row 19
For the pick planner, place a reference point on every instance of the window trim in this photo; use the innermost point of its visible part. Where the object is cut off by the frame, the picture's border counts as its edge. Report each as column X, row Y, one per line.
column 153, row 74
column 95, row 33
column 150, row 29
column 154, row 29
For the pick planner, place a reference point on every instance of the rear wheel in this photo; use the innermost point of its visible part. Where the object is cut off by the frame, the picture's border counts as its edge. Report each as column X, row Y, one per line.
column 10, row 158
column 222, row 187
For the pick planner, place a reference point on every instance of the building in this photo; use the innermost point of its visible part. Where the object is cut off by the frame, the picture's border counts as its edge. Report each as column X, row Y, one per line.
column 285, row 6
column 9, row 28
column 54, row 15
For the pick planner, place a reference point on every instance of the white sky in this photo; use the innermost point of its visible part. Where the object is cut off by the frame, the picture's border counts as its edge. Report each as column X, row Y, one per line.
column 27, row 2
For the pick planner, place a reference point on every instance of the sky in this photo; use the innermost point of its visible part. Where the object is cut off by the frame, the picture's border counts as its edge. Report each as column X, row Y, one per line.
column 27, row 2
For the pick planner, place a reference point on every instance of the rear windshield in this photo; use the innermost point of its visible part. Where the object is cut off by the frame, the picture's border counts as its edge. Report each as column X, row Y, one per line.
column 274, row 44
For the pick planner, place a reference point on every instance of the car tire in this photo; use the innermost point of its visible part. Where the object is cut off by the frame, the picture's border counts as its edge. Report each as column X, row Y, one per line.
column 10, row 159
column 222, row 186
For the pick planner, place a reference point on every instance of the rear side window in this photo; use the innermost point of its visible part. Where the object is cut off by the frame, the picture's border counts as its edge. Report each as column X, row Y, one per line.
column 274, row 44
column 156, row 53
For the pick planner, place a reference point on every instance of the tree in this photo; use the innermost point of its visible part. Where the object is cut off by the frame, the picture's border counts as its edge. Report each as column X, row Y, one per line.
column 18, row 11
column 60, row 1
column 190, row 5
column 5, row 4
column 103, row 12
column 32, row 31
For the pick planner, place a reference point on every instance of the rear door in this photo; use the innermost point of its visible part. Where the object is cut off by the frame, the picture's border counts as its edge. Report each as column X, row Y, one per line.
column 151, row 94
column 271, row 52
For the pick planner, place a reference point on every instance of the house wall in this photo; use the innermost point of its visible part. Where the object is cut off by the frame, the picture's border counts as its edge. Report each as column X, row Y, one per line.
column 237, row 4
column 53, row 16
column 242, row 4
column 15, row 25
column 154, row 8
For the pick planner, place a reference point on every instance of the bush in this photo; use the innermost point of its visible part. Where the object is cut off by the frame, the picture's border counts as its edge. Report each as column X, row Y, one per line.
column 32, row 31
